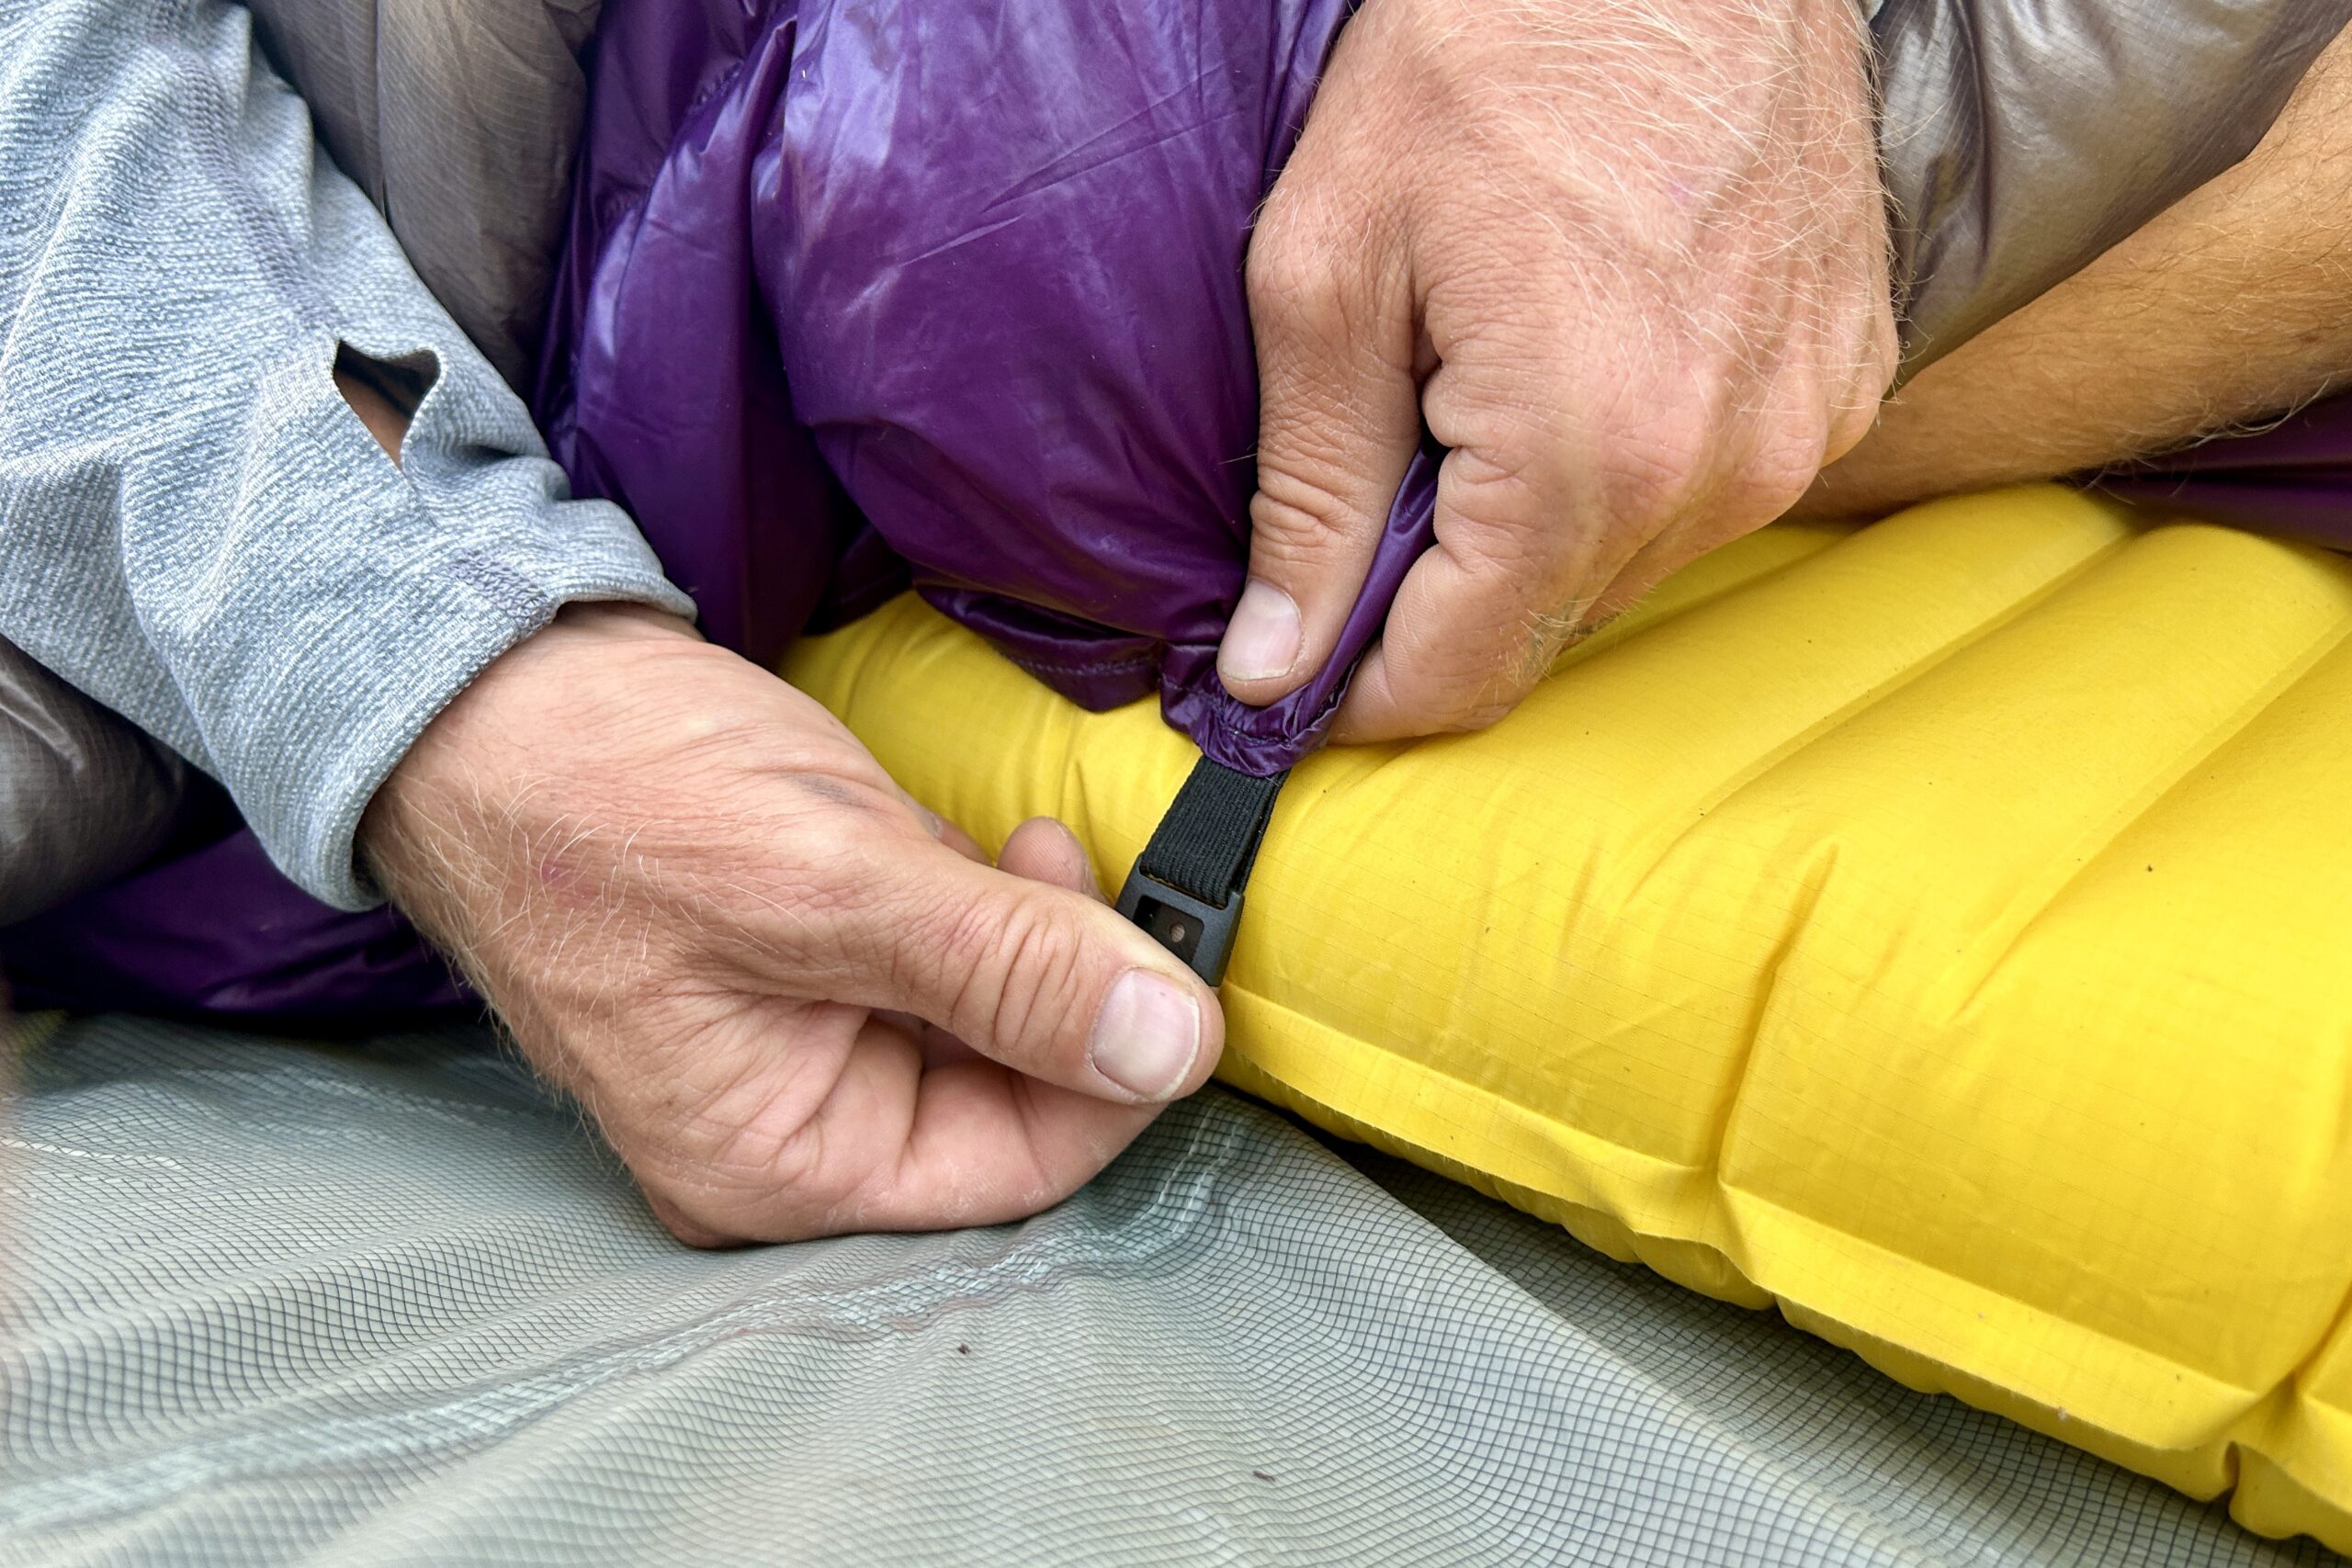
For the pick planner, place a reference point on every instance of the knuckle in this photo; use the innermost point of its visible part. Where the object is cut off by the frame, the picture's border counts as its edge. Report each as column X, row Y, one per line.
column 1881, row 358
column 1289, row 267
column 1295, row 299
column 684, row 1225
column 1848, row 425
column 1017, row 971
column 1506, row 493
column 1482, row 699
column 1481, row 712
column 1323, row 281
column 751, row 1141
column 1291, row 516
column 1780, row 466
column 1857, row 365
column 1483, row 682
column 1657, row 472
column 1279, row 269
column 1857, row 406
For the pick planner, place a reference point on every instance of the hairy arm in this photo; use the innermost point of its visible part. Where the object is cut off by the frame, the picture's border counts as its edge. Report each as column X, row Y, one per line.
column 2230, row 307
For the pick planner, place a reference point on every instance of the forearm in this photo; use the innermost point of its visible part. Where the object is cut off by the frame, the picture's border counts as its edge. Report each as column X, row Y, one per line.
column 194, row 527
column 2232, row 305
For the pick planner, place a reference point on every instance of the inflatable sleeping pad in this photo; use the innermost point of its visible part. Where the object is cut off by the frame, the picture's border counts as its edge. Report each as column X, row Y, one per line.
column 1941, row 931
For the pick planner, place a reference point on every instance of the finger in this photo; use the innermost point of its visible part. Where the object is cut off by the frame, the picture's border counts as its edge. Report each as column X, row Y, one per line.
column 1048, row 981
column 1668, row 554
column 687, row 1229
column 963, row 843
column 1043, row 849
column 939, row 1047
column 1458, row 652
column 1331, row 313
column 1477, row 619
column 1782, row 452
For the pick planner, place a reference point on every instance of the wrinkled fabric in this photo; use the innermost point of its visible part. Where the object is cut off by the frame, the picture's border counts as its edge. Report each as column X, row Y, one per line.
column 85, row 795
column 219, row 932
column 195, row 528
column 196, row 531
column 392, row 1303
column 989, row 258
column 457, row 119
column 2019, row 141
column 982, row 264
column 2293, row 478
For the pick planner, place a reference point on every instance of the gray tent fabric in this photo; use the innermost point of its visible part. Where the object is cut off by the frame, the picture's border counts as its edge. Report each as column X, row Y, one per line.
column 390, row 1303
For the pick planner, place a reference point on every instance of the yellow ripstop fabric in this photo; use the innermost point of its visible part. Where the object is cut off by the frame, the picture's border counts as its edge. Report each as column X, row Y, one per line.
column 1942, row 930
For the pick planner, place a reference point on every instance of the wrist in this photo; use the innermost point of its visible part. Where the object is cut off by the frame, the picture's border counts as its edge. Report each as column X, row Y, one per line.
column 501, row 732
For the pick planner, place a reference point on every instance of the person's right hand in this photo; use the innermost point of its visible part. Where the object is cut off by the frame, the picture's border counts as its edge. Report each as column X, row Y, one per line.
column 796, row 1002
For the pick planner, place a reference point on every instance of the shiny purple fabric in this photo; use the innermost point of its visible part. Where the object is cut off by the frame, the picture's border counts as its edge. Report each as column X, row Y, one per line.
column 218, row 932
column 975, row 265
column 856, row 293
column 2293, row 479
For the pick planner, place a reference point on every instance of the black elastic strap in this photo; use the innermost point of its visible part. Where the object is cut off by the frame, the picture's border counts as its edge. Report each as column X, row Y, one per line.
column 1209, row 839
column 1186, row 887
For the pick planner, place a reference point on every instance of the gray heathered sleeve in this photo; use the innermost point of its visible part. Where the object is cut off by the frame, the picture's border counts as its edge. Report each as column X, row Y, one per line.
column 194, row 527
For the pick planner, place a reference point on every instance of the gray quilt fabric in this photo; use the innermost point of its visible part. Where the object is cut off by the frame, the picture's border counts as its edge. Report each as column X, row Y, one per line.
column 390, row 1302
column 85, row 795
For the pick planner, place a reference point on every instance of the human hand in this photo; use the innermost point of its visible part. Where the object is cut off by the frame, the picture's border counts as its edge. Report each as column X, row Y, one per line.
column 796, row 1002
column 1627, row 260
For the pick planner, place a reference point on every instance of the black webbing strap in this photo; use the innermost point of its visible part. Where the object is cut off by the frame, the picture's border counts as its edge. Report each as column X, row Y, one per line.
column 1186, row 887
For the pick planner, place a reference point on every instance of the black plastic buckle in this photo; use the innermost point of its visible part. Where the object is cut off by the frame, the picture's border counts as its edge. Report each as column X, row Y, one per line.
column 1199, row 933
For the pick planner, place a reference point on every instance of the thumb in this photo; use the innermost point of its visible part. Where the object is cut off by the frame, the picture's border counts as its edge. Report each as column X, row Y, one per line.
column 1048, row 981
column 1339, row 420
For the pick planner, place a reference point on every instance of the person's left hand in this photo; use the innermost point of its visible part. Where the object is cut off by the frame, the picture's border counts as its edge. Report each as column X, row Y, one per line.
column 1627, row 260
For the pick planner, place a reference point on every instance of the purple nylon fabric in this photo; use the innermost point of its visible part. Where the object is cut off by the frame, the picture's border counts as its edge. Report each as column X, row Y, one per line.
column 850, row 289
column 994, row 255
column 2293, row 479
column 218, row 931
column 660, row 381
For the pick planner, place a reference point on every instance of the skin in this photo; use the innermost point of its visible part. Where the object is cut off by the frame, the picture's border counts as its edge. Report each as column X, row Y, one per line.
column 796, row 1006
column 1627, row 259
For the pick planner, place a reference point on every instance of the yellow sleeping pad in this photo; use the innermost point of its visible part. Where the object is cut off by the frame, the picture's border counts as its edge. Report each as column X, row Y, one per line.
column 1942, row 930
